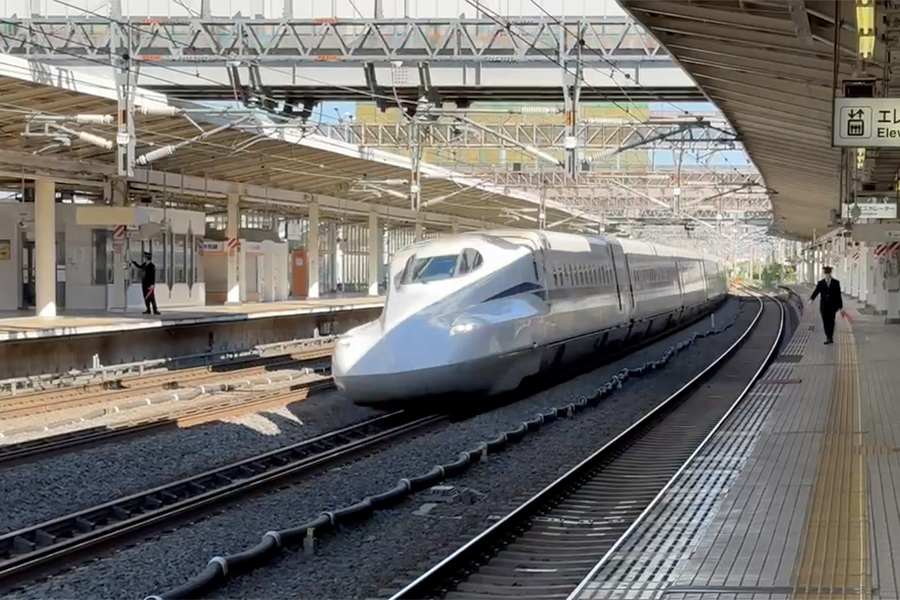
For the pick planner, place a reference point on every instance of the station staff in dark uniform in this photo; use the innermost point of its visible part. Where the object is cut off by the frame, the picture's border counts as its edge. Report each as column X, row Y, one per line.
column 148, row 282
column 831, row 302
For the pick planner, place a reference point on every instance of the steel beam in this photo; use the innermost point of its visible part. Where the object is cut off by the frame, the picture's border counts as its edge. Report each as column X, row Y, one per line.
column 289, row 41
column 652, row 178
column 591, row 136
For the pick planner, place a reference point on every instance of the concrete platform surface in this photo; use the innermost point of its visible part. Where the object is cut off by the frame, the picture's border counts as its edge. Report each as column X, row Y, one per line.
column 23, row 325
column 797, row 496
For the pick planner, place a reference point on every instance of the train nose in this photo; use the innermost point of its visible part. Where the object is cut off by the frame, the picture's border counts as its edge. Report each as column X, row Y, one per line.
column 348, row 351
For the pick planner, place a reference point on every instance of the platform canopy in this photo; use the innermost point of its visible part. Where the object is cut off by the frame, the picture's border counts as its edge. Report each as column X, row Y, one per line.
column 768, row 65
column 192, row 151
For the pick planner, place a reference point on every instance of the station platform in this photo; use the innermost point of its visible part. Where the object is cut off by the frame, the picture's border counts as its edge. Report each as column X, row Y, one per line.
column 31, row 345
column 796, row 496
column 24, row 325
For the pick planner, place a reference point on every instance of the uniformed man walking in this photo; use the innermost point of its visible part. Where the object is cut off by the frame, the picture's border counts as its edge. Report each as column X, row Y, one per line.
column 148, row 282
column 830, row 291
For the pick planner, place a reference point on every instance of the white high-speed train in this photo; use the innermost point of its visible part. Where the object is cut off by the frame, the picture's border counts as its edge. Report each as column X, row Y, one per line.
column 479, row 312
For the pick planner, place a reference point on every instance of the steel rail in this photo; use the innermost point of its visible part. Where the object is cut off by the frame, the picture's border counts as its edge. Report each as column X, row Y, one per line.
column 23, row 550
column 465, row 561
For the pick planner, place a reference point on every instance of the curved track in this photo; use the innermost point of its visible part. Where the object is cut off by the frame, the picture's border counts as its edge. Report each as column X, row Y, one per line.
column 53, row 541
column 548, row 545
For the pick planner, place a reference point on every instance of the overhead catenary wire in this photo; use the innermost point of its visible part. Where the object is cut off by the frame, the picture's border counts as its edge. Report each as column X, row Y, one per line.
column 159, row 153
column 162, row 110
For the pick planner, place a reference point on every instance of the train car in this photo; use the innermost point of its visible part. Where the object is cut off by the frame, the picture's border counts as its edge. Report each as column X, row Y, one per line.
column 477, row 313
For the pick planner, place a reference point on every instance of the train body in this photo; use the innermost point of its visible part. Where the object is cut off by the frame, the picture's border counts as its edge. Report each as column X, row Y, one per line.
column 477, row 313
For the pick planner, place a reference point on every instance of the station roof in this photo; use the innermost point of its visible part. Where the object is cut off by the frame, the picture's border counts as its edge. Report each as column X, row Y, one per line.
column 768, row 65
column 271, row 164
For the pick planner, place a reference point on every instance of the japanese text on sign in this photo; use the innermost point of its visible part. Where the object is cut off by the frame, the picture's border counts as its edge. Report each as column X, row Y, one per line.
column 867, row 122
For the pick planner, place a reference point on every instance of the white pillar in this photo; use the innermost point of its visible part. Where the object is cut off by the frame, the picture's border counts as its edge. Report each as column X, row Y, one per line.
column 375, row 240
column 269, row 262
column 418, row 231
column 880, row 286
column 312, row 251
column 242, row 274
column 232, row 232
column 454, row 226
column 118, row 191
column 871, row 278
column 337, row 233
column 45, row 247
column 862, row 269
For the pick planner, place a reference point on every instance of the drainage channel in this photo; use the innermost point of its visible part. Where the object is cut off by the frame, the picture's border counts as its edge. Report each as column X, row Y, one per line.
column 546, row 547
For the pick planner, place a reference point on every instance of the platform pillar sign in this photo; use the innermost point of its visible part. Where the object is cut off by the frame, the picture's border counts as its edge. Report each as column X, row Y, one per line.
column 119, row 237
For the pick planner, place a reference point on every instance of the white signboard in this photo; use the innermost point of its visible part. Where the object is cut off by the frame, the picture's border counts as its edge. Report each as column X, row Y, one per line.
column 867, row 122
column 295, row 231
column 870, row 210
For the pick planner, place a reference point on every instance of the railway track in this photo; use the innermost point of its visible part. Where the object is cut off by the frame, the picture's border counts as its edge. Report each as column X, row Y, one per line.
column 549, row 544
column 27, row 405
column 52, row 542
column 187, row 417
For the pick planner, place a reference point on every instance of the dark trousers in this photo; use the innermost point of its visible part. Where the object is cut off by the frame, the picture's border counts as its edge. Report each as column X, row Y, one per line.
column 150, row 300
column 828, row 323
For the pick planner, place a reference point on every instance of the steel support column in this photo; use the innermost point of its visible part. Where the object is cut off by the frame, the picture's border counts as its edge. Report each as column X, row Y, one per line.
column 232, row 232
column 45, row 247
column 312, row 251
column 375, row 244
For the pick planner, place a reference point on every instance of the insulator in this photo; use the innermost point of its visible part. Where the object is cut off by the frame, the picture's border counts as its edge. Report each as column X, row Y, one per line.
column 607, row 121
column 605, row 153
column 157, row 154
column 160, row 110
column 96, row 140
column 94, row 119
column 541, row 110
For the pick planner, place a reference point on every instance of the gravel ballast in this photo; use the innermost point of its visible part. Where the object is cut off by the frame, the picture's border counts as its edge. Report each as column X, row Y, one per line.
column 361, row 560
column 58, row 485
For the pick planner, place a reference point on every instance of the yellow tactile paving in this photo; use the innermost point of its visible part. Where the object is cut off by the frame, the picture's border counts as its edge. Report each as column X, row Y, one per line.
column 834, row 559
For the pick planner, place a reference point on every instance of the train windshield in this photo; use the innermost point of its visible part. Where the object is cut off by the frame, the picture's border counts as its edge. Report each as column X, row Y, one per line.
column 436, row 268
column 431, row 268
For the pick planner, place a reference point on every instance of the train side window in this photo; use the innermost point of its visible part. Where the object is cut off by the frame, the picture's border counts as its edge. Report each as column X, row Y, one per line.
column 470, row 260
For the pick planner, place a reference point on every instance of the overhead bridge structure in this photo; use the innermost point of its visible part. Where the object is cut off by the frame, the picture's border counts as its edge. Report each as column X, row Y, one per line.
column 468, row 59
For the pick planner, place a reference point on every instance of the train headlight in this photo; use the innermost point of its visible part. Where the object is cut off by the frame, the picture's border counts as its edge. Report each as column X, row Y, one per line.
column 463, row 326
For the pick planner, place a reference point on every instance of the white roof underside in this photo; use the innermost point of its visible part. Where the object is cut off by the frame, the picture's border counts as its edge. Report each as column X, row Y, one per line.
column 264, row 157
column 769, row 69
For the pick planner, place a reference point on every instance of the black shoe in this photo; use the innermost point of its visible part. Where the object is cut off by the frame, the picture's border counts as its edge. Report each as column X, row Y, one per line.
column 146, row 312
column 156, row 313
column 828, row 342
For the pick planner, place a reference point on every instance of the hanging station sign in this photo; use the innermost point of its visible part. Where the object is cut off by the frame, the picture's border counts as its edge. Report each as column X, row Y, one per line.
column 870, row 208
column 866, row 122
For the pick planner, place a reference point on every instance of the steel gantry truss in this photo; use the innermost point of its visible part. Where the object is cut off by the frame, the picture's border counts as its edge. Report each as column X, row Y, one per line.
column 289, row 41
column 601, row 134
column 647, row 178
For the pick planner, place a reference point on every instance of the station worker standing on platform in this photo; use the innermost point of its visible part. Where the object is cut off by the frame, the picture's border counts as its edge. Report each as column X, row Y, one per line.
column 831, row 302
column 148, row 282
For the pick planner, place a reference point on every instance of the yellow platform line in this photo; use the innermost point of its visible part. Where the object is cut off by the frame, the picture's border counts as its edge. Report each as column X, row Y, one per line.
column 834, row 560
